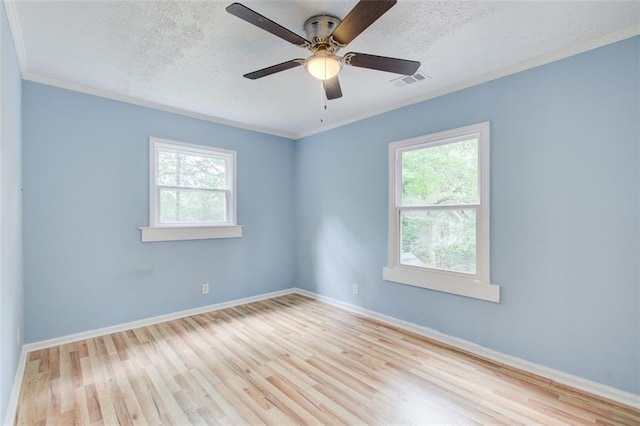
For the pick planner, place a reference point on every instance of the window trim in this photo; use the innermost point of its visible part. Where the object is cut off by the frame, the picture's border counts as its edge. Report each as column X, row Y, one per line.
column 471, row 285
column 157, row 231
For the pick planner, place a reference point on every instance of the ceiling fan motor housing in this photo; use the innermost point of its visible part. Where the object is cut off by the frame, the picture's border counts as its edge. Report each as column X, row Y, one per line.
column 318, row 29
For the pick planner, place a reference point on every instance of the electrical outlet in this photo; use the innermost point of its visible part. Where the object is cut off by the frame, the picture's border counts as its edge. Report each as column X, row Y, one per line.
column 205, row 288
column 355, row 288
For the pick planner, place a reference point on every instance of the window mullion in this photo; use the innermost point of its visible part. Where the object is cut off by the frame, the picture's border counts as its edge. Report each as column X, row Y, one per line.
column 190, row 188
column 441, row 207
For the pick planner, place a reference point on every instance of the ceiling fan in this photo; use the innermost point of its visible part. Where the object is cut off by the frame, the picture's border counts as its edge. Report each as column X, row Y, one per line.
column 328, row 34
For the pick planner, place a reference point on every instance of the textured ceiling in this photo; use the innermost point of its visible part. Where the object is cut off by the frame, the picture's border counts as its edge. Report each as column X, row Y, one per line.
column 191, row 54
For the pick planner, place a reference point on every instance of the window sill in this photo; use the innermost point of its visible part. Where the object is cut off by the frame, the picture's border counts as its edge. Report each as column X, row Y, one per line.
column 442, row 282
column 181, row 233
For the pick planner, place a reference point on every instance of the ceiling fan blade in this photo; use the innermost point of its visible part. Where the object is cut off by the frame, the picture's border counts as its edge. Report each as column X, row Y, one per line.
column 382, row 63
column 365, row 13
column 252, row 17
column 332, row 88
column 274, row 69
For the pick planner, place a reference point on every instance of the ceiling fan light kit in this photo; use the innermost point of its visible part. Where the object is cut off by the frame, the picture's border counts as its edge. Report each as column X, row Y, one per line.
column 328, row 34
column 323, row 66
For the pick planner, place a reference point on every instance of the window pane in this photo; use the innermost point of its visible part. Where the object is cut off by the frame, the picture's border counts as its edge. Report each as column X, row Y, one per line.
column 439, row 239
column 192, row 206
column 441, row 175
column 194, row 171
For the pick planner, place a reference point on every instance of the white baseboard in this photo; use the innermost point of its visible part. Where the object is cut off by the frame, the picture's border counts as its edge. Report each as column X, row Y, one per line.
column 560, row 377
column 43, row 344
column 12, row 405
column 576, row 382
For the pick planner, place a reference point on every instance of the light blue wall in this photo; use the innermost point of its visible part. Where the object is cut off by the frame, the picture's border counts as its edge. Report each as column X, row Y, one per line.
column 11, row 306
column 86, row 194
column 565, row 215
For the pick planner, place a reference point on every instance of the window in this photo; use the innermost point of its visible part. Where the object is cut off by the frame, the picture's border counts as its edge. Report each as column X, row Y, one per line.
column 192, row 192
column 439, row 213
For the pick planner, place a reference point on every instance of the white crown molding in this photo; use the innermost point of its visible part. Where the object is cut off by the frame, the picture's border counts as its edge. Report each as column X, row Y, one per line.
column 107, row 94
column 521, row 66
column 16, row 33
column 503, row 72
column 12, row 404
column 560, row 377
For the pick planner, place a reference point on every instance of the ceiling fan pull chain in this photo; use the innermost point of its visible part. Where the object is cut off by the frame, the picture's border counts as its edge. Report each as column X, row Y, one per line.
column 323, row 104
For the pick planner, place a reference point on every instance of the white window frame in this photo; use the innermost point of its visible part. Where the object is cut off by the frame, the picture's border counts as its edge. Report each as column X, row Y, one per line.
column 158, row 231
column 470, row 285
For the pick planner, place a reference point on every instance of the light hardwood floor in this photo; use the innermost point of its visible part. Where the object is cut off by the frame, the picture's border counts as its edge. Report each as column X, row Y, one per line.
column 289, row 360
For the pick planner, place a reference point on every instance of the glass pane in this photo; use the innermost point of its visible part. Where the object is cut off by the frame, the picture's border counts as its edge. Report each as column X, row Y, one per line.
column 439, row 239
column 190, row 170
column 192, row 206
column 441, row 175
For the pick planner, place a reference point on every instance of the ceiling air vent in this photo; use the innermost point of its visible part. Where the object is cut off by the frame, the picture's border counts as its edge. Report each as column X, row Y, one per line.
column 406, row 80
